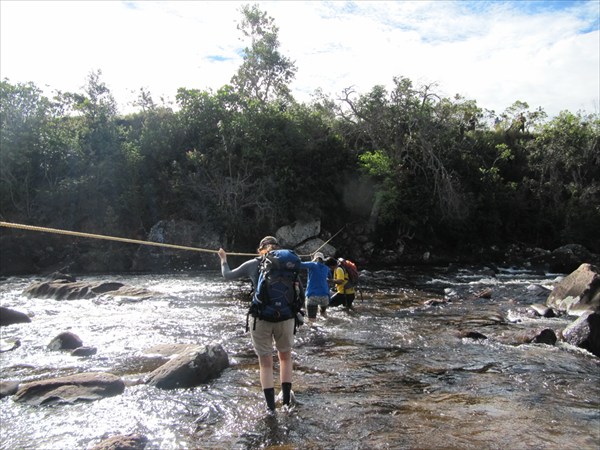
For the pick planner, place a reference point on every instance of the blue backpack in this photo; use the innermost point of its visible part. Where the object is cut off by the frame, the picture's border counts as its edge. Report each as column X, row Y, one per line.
column 278, row 293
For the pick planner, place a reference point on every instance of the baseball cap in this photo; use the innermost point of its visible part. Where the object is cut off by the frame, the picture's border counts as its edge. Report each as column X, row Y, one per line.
column 268, row 240
column 318, row 255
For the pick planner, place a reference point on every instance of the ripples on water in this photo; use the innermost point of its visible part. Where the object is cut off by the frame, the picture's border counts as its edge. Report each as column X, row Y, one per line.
column 392, row 374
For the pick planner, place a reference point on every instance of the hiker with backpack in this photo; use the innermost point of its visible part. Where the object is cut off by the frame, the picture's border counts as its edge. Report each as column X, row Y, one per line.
column 317, row 287
column 274, row 307
column 345, row 278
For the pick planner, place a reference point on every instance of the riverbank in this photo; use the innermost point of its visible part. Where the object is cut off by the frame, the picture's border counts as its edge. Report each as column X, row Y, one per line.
column 26, row 253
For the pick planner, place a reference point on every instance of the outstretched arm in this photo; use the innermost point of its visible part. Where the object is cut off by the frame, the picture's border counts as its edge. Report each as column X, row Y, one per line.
column 249, row 269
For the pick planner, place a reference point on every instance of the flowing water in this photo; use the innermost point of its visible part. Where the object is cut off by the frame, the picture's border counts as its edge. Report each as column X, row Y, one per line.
column 394, row 373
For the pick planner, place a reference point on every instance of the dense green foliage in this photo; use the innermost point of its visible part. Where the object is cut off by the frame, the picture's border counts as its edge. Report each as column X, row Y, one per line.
column 249, row 158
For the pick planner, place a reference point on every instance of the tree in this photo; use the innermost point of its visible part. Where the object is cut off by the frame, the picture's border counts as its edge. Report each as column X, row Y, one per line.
column 565, row 168
column 265, row 73
column 24, row 118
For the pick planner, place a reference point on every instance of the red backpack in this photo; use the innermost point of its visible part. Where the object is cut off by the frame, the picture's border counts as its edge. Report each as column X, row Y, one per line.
column 352, row 271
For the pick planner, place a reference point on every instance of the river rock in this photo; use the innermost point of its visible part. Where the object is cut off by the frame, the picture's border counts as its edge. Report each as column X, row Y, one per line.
column 84, row 351
column 8, row 388
column 10, row 316
column 81, row 387
column 8, row 345
column 65, row 341
column 546, row 336
column 470, row 334
column 578, row 292
column 123, row 442
column 290, row 236
column 542, row 310
column 169, row 350
column 62, row 289
column 585, row 332
column 190, row 368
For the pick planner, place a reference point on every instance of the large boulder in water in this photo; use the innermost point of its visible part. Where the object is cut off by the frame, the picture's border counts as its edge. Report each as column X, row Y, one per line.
column 585, row 332
column 190, row 368
column 578, row 292
column 10, row 316
column 80, row 387
column 63, row 289
column 65, row 341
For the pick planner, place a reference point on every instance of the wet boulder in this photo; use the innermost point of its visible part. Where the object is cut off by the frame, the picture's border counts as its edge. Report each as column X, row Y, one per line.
column 578, row 292
column 10, row 316
column 65, row 341
column 123, row 442
column 80, row 387
column 190, row 368
column 63, row 289
column 585, row 332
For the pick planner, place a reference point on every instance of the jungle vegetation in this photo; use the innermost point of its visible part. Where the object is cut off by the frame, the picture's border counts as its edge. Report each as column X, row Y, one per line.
column 249, row 158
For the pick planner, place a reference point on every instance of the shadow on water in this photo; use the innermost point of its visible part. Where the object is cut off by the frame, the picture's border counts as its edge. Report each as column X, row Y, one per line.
column 395, row 373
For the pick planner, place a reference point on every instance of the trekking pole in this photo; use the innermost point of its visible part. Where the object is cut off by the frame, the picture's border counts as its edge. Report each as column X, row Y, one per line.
column 327, row 241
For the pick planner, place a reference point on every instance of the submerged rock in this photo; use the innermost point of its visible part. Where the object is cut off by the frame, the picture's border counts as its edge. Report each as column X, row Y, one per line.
column 84, row 351
column 65, row 341
column 80, row 387
column 63, row 289
column 8, row 345
column 123, row 442
column 8, row 388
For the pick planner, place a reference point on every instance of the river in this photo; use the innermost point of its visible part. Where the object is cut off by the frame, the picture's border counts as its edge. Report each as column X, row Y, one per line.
column 393, row 374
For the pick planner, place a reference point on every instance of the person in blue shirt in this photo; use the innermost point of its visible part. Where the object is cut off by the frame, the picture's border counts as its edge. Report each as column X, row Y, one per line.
column 317, row 286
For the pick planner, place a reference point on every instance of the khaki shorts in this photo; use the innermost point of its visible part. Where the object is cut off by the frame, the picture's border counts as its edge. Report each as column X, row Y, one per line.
column 317, row 300
column 265, row 333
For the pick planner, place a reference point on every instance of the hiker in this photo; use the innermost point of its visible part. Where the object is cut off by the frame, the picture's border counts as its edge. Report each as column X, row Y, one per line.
column 317, row 287
column 264, row 332
column 344, row 295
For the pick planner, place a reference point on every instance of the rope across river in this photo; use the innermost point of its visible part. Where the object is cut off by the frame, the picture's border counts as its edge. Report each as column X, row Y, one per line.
column 126, row 240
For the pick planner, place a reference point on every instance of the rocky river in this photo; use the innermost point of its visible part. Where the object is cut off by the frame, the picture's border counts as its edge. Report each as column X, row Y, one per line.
column 430, row 358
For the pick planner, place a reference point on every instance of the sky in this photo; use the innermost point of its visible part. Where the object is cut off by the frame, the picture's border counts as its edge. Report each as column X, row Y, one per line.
column 543, row 52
